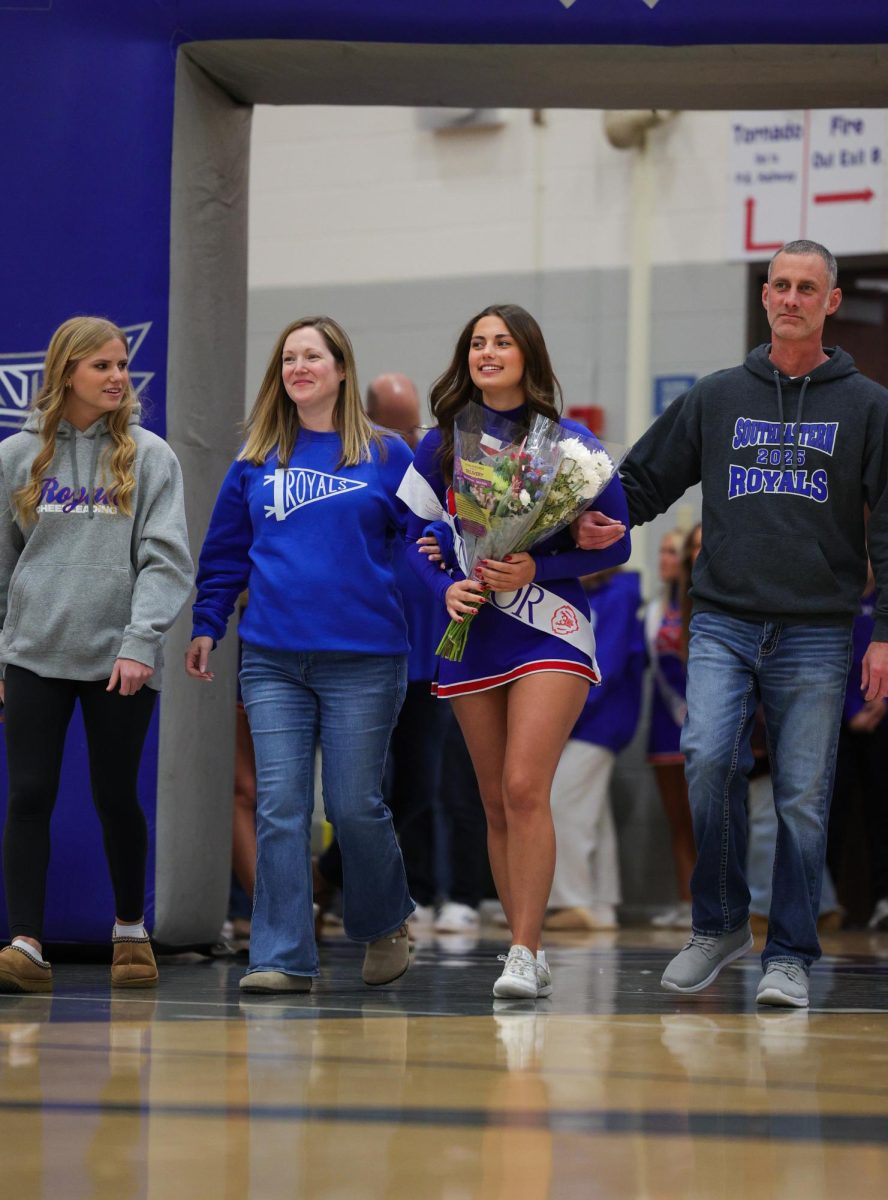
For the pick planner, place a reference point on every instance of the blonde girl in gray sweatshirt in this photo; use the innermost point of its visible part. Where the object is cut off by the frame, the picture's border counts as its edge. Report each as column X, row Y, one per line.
column 94, row 568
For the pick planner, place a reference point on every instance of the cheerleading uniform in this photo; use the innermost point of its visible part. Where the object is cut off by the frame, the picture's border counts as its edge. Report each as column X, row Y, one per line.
column 663, row 622
column 502, row 648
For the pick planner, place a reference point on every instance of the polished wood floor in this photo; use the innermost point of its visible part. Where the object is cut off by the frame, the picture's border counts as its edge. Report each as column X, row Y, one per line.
column 431, row 1090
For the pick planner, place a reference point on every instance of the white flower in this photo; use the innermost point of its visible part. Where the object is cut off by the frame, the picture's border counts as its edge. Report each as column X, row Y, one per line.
column 594, row 466
column 524, row 497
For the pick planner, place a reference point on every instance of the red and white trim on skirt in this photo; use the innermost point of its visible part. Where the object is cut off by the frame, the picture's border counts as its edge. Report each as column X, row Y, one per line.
column 467, row 686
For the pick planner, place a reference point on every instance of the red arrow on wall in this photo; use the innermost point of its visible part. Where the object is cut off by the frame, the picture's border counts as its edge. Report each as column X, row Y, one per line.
column 844, row 197
column 750, row 222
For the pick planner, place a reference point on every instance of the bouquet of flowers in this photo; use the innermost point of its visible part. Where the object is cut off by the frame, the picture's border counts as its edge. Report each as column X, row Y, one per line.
column 511, row 489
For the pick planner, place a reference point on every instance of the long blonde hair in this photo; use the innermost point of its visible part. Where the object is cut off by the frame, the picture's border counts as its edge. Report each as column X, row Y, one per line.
column 274, row 419
column 73, row 341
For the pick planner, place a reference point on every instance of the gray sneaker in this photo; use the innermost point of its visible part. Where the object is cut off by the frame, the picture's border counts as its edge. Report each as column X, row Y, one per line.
column 784, row 983
column 701, row 959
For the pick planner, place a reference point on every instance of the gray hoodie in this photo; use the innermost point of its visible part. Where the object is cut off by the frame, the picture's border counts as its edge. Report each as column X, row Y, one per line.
column 85, row 584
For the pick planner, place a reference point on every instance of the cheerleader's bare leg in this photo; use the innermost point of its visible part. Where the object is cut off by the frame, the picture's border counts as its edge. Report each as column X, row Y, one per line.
column 515, row 736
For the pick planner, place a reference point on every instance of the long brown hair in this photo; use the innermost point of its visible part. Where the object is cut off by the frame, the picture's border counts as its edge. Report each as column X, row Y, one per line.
column 274, row 419
column 453, row 390
column 73, row 341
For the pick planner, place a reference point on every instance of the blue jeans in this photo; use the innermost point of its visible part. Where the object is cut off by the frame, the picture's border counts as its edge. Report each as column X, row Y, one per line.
column 798, row 672
column 347, row 703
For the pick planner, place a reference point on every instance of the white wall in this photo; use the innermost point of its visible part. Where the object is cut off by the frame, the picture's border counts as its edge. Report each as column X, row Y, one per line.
column 355, row 195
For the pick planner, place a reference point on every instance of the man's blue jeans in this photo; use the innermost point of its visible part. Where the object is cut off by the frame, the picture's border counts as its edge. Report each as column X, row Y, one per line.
column 798, row 672
column 347, row 703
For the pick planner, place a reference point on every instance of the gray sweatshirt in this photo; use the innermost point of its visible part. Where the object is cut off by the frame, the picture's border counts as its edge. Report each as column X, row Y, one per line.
column 85, row 584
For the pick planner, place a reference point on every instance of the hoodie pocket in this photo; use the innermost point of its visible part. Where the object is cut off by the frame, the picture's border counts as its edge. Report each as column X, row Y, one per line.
column 75, row 612
column 758, row 573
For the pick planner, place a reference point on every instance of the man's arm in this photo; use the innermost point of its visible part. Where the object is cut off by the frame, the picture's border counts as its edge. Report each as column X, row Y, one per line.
column 665, row 461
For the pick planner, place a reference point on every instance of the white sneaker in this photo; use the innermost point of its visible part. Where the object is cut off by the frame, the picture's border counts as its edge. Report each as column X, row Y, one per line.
column 879, row 918
column 544, row 975
column 677, row 917
column 422, row 917
column 456, row 918
column 524, row 977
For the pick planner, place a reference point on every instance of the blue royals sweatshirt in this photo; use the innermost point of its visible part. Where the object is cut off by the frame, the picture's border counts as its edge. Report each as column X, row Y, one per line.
column 313, row 542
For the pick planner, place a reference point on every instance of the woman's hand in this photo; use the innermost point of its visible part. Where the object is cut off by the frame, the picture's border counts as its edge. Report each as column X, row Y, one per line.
column 594, row 531
column 429, row 546
column 510, row 575
column 197, row 658
column 130, row 675
column 463, row 598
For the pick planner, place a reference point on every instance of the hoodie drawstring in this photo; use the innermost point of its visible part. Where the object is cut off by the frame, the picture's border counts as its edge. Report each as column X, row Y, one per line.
column 72, row 448
column 780, row 419
column 91, row 487
column 90, row 491
column 799, row 415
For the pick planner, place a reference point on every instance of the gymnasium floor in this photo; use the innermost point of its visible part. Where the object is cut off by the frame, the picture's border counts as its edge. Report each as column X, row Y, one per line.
column 431, row 1090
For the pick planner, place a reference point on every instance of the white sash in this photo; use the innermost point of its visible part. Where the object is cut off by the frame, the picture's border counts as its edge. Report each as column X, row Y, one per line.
column 541, row 610
column 419, row 496
column 547, row 613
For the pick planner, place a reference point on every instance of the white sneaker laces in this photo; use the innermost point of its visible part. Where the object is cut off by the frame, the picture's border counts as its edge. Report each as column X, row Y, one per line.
column 517, row 964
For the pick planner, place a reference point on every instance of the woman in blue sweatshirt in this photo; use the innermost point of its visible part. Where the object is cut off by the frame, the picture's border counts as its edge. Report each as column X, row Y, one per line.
column 306, row 519
column 519, row 688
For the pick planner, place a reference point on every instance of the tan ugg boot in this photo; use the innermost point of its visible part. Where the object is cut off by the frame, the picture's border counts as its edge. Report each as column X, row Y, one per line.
column 133, row 964
column 20, row 973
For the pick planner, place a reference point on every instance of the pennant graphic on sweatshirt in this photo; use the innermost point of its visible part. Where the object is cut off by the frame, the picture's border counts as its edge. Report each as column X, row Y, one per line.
column 294, row 487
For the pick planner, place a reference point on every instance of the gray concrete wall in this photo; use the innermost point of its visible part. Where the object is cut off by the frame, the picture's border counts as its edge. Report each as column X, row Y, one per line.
column 208, row 270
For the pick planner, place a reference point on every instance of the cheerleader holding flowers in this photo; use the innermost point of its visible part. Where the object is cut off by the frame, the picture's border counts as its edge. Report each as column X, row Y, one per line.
column 519, row 676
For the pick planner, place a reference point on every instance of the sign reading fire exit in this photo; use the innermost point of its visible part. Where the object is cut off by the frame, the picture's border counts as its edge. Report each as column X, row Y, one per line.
column 816, row 174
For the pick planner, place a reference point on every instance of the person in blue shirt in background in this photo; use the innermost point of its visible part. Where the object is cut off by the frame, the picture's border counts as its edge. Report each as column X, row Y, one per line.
column 307, row 518
column 586, row 888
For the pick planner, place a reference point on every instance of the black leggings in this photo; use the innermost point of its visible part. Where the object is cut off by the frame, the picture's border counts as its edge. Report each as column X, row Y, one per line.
column 37, row 713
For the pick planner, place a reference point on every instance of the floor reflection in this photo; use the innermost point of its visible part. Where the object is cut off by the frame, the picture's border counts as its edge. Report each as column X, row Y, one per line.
column 433, row 1090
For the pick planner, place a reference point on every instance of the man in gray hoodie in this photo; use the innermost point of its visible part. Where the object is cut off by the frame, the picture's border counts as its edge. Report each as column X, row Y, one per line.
column 791, row 449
